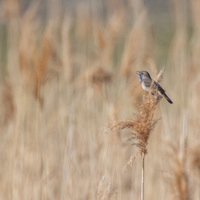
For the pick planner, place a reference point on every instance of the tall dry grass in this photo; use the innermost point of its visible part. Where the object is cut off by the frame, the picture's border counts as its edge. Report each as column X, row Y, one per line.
column 66, row 76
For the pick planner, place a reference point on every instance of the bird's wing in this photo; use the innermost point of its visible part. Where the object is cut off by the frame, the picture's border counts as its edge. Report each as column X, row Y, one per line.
column 147, row 82
column 157, row 87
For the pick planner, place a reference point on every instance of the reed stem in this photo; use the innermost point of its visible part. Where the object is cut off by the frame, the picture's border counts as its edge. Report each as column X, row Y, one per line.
column 142, row 179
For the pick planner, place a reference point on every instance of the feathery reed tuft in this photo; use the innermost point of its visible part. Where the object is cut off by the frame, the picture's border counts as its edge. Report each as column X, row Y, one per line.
column 195, row 161
column 138, row 49
column 179, row 179
column 97, row 77
column 8, row 102
column 143, row 123
column 105, row 190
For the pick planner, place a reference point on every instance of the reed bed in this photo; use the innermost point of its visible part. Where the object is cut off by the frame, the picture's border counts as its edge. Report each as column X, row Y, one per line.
column 68, row 74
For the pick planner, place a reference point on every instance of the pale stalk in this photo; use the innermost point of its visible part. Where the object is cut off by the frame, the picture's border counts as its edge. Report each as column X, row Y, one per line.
column 142, row 179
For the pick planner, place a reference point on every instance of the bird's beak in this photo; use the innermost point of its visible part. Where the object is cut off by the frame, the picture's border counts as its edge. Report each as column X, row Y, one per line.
column 137, row 72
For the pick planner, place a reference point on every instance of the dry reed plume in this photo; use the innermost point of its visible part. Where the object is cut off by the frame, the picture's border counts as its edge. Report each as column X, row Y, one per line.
column 8, row 102
column 105, row 190
column 35, row 69
column 179, row 177
column 142, row 124
column 97, row 78
column 66, row 53
column 195, row 161
column 138, row 49
column 106, row 38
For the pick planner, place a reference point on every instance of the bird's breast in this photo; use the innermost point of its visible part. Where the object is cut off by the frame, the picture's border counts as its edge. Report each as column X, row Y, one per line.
column 144, row 87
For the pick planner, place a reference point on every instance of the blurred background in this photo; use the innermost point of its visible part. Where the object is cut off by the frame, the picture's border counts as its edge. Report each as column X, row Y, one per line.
column 68, row 72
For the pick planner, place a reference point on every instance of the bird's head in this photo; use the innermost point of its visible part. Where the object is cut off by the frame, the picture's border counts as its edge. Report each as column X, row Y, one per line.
column 143, row 74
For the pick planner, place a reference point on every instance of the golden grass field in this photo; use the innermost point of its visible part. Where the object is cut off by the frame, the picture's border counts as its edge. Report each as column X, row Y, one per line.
column 72, row 106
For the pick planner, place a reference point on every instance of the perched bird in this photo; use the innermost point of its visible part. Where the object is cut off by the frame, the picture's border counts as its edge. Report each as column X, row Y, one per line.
column 146, row 83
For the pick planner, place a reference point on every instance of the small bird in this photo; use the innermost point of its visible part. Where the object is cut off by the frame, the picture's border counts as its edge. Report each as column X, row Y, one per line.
column 146, row 83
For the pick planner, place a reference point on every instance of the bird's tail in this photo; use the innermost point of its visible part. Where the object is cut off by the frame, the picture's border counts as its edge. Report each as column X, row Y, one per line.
column 167, row 98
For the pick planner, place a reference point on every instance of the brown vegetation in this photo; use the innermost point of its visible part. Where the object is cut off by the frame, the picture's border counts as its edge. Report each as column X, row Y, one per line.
column 68, row 76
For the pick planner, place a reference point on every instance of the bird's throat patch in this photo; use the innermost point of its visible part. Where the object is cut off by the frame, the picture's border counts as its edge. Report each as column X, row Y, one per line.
column 140, row 78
